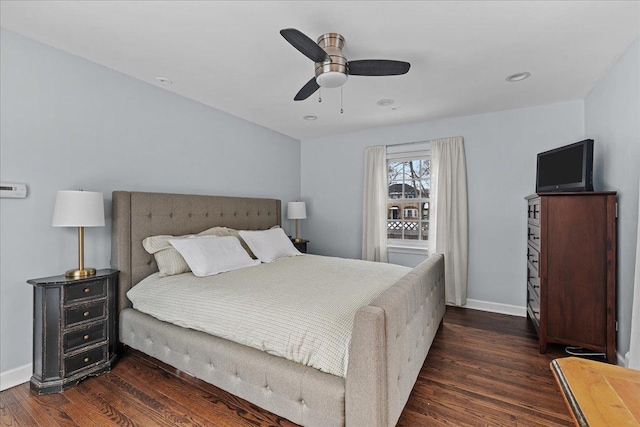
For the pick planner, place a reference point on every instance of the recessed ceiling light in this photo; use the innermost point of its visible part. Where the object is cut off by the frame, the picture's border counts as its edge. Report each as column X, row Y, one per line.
column 310, row 118
column 385, row 102
column 518, row 77
column 164, row 80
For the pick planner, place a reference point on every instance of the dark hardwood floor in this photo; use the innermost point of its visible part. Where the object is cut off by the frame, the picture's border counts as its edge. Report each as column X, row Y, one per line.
column 483, row 369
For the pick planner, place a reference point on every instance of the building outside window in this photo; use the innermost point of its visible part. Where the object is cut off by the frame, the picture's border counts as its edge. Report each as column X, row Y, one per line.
column 408, row 199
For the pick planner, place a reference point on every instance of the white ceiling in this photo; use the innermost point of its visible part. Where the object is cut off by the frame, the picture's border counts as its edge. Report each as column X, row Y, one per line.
column 230, row 55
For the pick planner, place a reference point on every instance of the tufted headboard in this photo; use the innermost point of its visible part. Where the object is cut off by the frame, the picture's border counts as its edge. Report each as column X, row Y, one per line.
column 138, row 215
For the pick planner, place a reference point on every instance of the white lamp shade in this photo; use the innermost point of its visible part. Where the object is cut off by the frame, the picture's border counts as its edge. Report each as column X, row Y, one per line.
column 78, row 209
column 296, row 210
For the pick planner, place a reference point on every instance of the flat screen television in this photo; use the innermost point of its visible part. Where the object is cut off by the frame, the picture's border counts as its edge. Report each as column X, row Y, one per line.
column 568, row 168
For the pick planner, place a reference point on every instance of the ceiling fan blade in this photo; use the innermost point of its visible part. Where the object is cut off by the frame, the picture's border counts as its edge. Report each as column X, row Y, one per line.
column 377, row 67
column 304, row 44
column 307, row 90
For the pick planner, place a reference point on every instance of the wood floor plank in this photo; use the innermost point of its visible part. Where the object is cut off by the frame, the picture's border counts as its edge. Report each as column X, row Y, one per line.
column 94, row 412
column 220, row 403
column 177, row 394
column 129, row 407
column 45, row 410
column 6, row 416
column 96, row 400
column 143, row 399
column 483, row 369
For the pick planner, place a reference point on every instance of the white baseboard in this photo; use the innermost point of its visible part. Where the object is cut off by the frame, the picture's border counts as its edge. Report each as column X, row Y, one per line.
column 622, row 360
column 16, row 376
column 496, row 307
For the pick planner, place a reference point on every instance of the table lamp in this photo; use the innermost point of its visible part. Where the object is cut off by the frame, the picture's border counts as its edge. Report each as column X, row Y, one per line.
column 296, row 210
column 79, row 209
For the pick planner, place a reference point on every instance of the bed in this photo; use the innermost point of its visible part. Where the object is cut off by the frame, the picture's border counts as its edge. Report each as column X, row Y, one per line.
column 390, row 339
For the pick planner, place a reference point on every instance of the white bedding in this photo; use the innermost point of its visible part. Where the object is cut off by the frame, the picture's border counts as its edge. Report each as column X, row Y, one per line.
column 300, row 308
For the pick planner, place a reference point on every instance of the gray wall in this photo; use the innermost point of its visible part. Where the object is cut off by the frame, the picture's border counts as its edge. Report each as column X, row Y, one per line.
column 501, row 153
column 67, row 123
column 612, row 119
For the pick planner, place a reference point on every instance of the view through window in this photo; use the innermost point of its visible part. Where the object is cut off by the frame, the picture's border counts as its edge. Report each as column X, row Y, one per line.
column 408, row 199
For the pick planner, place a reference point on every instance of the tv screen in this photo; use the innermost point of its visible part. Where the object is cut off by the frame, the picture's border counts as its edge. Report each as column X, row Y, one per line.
column 568, row 168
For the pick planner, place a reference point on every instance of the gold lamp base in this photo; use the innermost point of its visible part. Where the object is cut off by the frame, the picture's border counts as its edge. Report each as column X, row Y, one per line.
column 79, row 274
column 298, row 240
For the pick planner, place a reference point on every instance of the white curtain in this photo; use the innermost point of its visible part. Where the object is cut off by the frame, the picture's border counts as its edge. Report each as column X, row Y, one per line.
column 634, row 351
column 374, row 206
column 448, row 233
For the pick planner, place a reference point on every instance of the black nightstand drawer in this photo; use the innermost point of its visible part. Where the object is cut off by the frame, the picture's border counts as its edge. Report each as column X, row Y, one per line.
column 85, row 290
column 84, row 313
column 82, row 338
column 85, row 359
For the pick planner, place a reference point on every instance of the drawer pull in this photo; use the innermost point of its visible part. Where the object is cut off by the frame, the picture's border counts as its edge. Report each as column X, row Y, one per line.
column 86, row 337
column 86, row 360
column 536, row 312
column 534, row 261
column 87, row 290
column 536, row 286
column 86, row 314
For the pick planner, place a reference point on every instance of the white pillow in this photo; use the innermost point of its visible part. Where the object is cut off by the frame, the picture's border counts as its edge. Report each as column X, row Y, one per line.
column 210, row 255
column 169, row 261
column 269, row 245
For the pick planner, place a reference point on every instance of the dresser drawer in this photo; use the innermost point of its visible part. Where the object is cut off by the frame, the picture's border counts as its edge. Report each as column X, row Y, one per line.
column 533, row 307
column 85, row 313
column 85, row 290
column 533, row 276
column 533, row 288
column 533, row 257
column 533, row 214
column 85, row 359
column 85, row 337
column 533, row 235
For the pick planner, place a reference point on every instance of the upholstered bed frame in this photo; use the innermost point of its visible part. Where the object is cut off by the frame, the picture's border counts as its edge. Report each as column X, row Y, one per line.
column 390, row 339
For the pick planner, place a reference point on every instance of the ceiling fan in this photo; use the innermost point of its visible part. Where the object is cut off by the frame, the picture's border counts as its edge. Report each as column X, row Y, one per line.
column 332, row 68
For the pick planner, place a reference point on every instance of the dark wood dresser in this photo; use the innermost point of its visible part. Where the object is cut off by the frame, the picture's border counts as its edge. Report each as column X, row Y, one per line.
column 74, row 329
column 571, row 269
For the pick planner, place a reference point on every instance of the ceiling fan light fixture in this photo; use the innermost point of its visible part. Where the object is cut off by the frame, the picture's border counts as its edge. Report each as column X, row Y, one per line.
column 331, row 79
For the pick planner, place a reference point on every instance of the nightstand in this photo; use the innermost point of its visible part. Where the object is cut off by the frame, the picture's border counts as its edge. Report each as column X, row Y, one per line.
column 74, row 329
column 301, row 245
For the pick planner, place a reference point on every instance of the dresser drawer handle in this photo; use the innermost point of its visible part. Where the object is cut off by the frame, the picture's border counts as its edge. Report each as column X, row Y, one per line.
column 536, row 286
column 86, row 337
column 86, row 360
column 86, row 314
column 87, row 290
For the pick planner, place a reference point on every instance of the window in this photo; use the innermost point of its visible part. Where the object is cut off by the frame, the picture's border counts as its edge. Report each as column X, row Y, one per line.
column 408, row 178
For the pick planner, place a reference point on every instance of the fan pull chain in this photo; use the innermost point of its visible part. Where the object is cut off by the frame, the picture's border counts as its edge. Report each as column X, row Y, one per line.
column 320, row 94
column 341, row 110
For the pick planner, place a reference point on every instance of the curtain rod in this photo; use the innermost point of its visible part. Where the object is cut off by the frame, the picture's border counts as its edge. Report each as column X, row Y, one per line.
column 406, row 143
column 418, row 142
